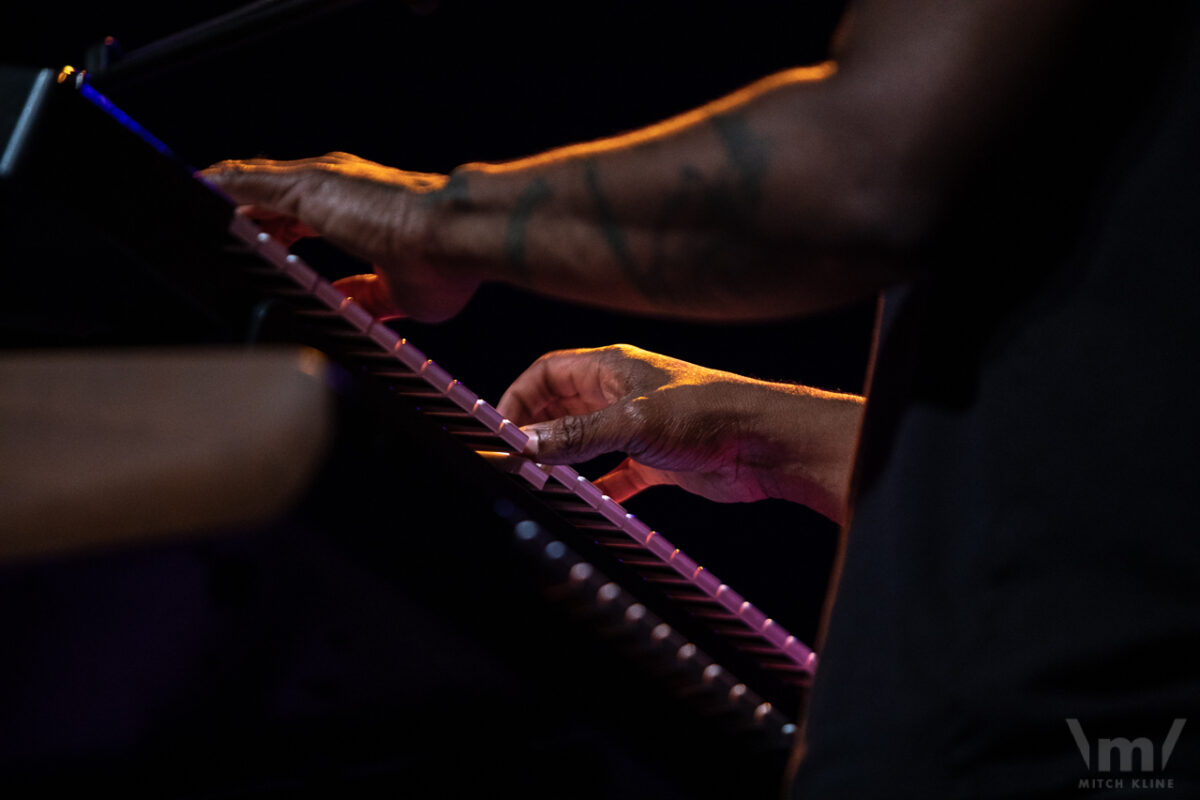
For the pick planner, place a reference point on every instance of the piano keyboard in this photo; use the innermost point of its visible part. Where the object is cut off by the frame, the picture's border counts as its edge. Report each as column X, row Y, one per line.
column 643, row 589
column 381, row 353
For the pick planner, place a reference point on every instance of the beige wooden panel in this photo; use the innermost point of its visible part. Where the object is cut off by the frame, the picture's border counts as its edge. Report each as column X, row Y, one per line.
column 105, row 448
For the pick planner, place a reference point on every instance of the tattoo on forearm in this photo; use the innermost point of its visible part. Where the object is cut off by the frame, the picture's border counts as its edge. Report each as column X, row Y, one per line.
column 698, row 235
column 613, row 234
column 454, row 190
column 723, row 208
column 677, row 210
column 747, row 152
column 537, row 193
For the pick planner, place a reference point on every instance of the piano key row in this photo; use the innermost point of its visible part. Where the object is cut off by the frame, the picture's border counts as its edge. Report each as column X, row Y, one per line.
column 678, row 575
column 622, row 617
column 661, row 563
column 396, row 361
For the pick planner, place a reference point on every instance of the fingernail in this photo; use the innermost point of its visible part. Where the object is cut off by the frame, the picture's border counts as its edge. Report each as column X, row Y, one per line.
column 535, row 439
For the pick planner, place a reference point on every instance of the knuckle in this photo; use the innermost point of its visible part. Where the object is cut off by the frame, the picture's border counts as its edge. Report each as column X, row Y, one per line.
column 624, row 351
column 633, row 410
column 574, row 432
column 617, row 358
column 638, row 415
column 639, row 418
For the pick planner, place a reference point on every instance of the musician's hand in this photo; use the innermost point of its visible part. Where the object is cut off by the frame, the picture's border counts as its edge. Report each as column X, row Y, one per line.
column 376, row 213
column 716, row 434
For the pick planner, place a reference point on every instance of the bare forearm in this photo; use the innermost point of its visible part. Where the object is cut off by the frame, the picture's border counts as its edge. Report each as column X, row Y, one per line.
column 801, row 443
column 811, row 188
column 701, row 215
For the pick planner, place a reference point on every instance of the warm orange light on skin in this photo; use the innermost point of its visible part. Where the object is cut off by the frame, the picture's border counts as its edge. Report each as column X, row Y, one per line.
column 503, row 461
column 65, row 73
column 812, row 74
column 311, row 363
column 345, row 164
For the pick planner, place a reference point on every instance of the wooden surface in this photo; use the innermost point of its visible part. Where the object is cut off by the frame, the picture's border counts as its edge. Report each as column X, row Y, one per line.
column 108, row 448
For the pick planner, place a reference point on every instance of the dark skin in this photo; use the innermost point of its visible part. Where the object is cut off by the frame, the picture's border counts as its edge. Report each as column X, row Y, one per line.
column 807, row 190
column 713, row 433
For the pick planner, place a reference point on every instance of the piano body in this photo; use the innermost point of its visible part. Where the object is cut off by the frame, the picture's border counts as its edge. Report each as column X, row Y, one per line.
column 526, row 603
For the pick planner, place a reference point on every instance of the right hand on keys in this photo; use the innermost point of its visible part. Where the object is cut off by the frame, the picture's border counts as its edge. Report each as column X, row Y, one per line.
column 371, row 211
column 713, row 433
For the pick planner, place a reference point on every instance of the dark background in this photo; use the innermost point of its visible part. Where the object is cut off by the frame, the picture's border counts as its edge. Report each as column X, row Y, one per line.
column 279, row 660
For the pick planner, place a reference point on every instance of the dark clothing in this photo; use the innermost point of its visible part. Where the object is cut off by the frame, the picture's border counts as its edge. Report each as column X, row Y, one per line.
column 1023, row 549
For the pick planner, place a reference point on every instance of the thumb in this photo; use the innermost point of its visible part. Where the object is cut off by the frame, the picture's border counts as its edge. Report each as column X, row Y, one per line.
column 569, row 440
column 629, row 478
column 371, row 292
